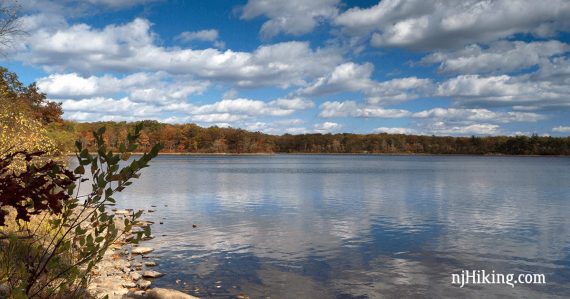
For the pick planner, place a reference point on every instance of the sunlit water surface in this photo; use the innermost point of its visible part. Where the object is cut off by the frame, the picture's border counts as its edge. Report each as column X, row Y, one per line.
column 289, row 226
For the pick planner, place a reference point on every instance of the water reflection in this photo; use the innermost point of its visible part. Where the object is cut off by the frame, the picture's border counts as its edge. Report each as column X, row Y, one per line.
column 356, row 226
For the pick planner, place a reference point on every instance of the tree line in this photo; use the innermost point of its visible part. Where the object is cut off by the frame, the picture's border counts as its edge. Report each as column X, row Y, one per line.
column 191, row 138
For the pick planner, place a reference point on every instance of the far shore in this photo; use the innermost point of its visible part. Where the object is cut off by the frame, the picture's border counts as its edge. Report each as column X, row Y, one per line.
column 204, row 154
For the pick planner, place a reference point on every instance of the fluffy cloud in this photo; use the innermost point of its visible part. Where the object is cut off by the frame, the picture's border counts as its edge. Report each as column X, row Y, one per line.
column 399, row 90
column 437, row 24
column 356, row 77
column 226, row 111
column 561, row 129
column 345, row 77
column 294, row 17
column 145, row 87
column 353, row 109
column 474, row 129
column 209, row 35
column 243, row 107
column 501, row 56
column 294, row 103
column 470, row 115
column 327, row 127
column 130, row 48
column 518, row 92
column 100, row 108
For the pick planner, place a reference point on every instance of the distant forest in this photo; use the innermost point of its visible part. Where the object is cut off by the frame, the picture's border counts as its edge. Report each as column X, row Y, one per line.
column 191, row 138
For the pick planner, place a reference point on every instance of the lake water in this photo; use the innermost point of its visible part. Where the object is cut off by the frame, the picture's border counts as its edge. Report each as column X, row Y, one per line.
column 312, row 226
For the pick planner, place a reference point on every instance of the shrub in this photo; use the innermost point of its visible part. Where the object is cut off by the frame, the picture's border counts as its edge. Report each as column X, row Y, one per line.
column 57, row 235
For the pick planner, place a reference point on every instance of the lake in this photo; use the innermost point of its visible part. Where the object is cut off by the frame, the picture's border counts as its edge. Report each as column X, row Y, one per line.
column 356, row 226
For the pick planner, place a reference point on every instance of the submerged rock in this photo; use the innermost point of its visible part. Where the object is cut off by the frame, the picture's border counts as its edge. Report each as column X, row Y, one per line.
column 142, row 250
column 152, row 274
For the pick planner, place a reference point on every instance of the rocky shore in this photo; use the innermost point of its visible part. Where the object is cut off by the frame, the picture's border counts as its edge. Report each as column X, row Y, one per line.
column 126, row 269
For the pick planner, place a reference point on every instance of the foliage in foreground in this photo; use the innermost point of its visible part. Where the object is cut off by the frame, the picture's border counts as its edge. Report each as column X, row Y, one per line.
column 54, row 235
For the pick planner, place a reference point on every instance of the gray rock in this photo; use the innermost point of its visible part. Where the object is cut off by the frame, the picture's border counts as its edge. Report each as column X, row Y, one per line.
column 135, row 276
column 129, row 284
column 143, row 284
column 160, row 293
column 152, row 274
column 142, row 250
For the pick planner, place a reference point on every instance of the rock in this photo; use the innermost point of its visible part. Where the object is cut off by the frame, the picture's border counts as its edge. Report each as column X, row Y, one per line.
column 142, row 250
column 152, row 274
column 129, row 284
column 122, row 212
column 151, row 211
column 143, row 284
column 150, row 264
column 137, row 229
column 194, row 225
column 135, row 276
column 143, row 223
column 160, row 293
column 136, row 265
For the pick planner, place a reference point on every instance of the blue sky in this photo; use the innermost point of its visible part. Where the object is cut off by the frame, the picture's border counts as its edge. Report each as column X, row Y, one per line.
column 417, row 67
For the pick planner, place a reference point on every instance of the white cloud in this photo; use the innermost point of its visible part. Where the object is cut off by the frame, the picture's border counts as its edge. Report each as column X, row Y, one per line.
column 399, row 90
column 345, row 77
column 294, row 103
column 131, row 47
column 395, row 130
column 501, row 56
column 108, row 106
column 294, row 17
column 469, row 115
column 352, row 109
column 327, row 127
column 209, row 35
column 243, row 106
column 504, row 90
column 145, row 87
column 436, row 24
column 561, row 129
column 223, row 111
column 474, row 129
column 218, row 117
column 351, row 77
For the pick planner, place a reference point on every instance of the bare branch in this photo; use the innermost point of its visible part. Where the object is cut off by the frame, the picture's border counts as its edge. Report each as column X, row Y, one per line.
column 10, row 24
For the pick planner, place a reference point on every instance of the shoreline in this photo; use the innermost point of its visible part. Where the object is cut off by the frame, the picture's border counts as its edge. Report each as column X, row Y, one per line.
column 126, row 268
column 335, row 154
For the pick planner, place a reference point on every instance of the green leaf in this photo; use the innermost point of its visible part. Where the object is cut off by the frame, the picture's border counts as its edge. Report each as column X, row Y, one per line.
column 79, row 170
